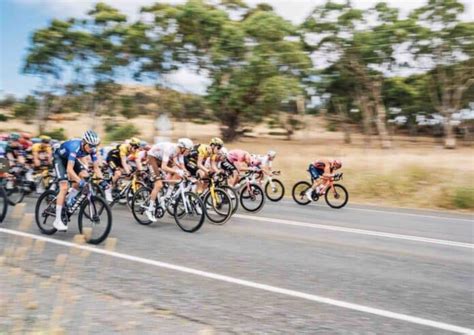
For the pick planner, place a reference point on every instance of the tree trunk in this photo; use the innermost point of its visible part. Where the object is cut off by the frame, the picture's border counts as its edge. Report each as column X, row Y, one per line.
column 231, row 123
column 93, row 113
column 449, row 136
column 380, row 115
column 366, row 116
column 42, row 114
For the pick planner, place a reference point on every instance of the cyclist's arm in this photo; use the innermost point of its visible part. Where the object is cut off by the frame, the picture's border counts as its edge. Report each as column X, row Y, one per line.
column 164, row 164
column 200, row 163
column 125, row 165
column 327, row 168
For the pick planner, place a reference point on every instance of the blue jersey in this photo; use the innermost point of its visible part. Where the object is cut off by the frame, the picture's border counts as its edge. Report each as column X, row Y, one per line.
column 71, row 150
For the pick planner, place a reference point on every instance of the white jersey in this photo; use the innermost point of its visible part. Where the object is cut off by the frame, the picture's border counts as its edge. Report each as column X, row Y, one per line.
column 166, row 151
column 261, row 161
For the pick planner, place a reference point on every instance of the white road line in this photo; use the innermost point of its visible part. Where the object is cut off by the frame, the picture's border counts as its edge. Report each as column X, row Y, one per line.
column 255, row 285
column 392, row 212
column 357, row 231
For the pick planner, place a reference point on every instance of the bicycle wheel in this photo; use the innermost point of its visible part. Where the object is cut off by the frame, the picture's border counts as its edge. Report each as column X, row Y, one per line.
column 15, row 191
column 45, row 212
column 336, row 197
column 252, row 198
column 218, row 207
column 275, row 192
column 189, row 212
column 233, row 195
column 3, row 204
column 99, row 221
column 139, row 205
column 299, row 191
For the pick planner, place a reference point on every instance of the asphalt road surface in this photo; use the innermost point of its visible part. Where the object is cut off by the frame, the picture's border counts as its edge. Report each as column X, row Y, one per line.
column 286, row 270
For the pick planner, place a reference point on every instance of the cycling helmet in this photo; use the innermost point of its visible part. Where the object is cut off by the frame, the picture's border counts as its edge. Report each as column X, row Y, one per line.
column 271, row 153
column 14, row 136
column 223, row 152
column 26, row 136
column 90, row 137
column 45, row 138
column 143, row 144
column 135, row 142
column 216, row 141
column 185, row 143
column 337, row 163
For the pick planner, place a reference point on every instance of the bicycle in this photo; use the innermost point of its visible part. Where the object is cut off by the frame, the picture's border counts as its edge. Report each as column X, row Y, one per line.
column 274, row 188
column 16, row 185
column 3, row 195
column 219, row 207
column 250, row 193
column 91, row 208
column 188, row 209
column 332, row 192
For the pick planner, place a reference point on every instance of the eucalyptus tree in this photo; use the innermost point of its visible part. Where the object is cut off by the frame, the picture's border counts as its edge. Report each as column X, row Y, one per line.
column 445, row 45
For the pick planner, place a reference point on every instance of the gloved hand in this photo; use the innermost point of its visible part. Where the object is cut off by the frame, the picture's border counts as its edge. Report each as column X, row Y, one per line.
column 82, row 183
column 180, row 173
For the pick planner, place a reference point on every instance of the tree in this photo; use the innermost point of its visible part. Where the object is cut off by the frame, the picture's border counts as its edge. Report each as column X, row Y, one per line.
column 446, row 44
column 362, row 48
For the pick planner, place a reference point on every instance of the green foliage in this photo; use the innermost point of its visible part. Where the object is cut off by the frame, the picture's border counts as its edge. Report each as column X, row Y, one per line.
column 8, row 101
column 26, row 109
column 58, row 134
column 121, row 132
column 3, row 118
column 463, row 198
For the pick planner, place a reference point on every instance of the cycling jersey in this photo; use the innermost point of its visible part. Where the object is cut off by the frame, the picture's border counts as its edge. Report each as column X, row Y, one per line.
column 72, row 149
column 202, row 151
column 16, row 149
column 121, row 150
column 237, row 155
column 41, row 148
column 166, row 151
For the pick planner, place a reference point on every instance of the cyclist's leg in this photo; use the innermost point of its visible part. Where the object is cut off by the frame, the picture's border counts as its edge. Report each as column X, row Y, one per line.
column 60, row 167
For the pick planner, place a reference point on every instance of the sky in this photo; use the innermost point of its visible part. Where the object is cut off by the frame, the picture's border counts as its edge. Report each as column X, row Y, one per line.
column 19, row 18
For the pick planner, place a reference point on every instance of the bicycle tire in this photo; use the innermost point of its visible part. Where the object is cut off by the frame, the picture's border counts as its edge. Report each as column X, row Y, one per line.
column 268, row 190
column 222, row 217
column 108, row 222
column 3, row 204
column 195, row 200
column 245, row 195
column 137, row 206
column 21, row 193
column 233, row 195
column 38, row 215
column 343, row 190
column 298, row 193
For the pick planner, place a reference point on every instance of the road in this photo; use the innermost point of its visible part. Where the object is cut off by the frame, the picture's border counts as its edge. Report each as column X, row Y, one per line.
column 288, row 269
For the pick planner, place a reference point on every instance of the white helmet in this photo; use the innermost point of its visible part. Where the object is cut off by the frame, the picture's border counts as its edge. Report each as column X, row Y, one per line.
column 90, row 137
column 271, row 153
column 185, row 143
column 224, row 151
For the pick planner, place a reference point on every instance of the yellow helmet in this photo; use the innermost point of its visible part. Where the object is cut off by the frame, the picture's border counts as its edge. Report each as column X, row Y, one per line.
column 45, row 138
column 217, row 141
column 135, row 142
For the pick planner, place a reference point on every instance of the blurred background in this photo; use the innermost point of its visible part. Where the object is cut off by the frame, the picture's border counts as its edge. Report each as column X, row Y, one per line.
column 388, row 87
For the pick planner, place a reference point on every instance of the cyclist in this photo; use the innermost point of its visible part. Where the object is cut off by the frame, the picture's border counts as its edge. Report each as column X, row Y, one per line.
column 168, row 158
column 237, row 161
column 263, row 162
column 137, row 159
column 117, row 158
column 68, row 164
column 14, row 150
column 202, row 160
column 320, row 171
column 42, row 152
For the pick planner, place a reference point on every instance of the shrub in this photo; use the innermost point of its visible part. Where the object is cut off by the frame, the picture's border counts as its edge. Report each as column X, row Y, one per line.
column 3, row 118
column 119, row 133
column 57, row 134
column 463, row 197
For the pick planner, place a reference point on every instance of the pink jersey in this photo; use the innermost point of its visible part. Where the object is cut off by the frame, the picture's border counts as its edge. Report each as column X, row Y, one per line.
column 237, row 155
